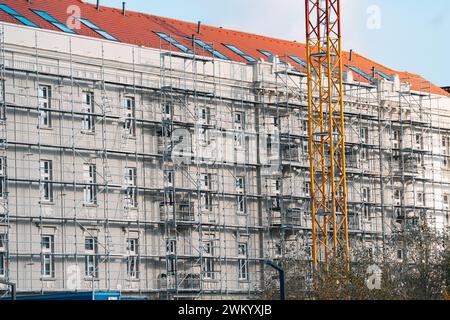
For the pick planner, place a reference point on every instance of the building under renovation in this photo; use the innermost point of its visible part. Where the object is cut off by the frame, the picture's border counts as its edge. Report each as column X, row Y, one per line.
column 166, row 159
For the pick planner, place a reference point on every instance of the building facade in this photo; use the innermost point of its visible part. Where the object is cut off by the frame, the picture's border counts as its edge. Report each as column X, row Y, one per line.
column 168, row 174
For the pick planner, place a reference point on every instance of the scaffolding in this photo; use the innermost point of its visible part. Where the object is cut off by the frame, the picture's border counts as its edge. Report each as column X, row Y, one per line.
column 175, row 175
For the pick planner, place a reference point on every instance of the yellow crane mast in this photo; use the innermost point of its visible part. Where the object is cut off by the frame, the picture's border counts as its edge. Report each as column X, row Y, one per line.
column 326, row 135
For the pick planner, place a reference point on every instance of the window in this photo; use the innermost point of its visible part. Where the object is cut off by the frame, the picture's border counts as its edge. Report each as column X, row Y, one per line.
column 211, row 50
column 269, row 144
column 168, row 177
column 398, row 194
column 277, row 186
column 299, row 61
column 129, row 108
column 208, row 260
column 167, row 109
column 366, row 199
column 365, row 135
column 360, row 73
column 132, row 259
column 46, row 172
column 205, row 181
column 446, row 201
column 239, row 120
column 44, row 104
column 305, row 127
column 18, row 16
column 91, row 257
column 421, row 198
column 90, row 189
column 419, row 141
column 384, row 75
column 131, row 191
column 239, row 139
column 206, row 202
column 399, row 254
column 203, row 115
column 88, row 122
column 446, row 145
column 240, row 184
column 266, row 53
column 95, row 28
column 47, row 256
column 171, row 246
column 396, row 141
column 3, row 186
column 364, row 154
column 241, row 204
column 204, row 137
column 3, row 240
column 174, row 42
column 243, row 261
column 307, row 189
column 366, row 194
column 270, row 56
column 171, row 249
column 240, row 52
column 44, row 15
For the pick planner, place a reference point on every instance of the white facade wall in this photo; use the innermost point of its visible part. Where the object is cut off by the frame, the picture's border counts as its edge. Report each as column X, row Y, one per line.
column 276, row 215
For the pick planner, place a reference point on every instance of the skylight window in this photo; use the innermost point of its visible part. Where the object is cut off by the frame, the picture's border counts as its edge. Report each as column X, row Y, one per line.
column 361, row 73
column 299, row 61
column 18, row 16
column 97, row 29
column 270, row 56
column 210, row 49
column 384, row 75
column 240, row 52
column 174, row 42
column 266, row 53
column 44, row 15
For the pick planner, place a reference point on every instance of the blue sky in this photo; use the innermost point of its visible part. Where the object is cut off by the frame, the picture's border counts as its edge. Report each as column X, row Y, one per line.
column 407, row 35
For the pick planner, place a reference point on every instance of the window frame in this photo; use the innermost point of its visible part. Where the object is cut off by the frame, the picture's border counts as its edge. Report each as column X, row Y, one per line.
column 3, row 257
column 298, row 61
column 243, row 272
column 53, row 21
column 241, row 204
column 211, row 50
column 97, row 29
column 173, row 42
column 45, row 102
column 129, row 113
column 266, row 53
column 48, row 256
column 19, row 17
column 239, row 52
column 46, row 180
column 130, row 180
column 3, row 173
column 206, row 202
column 361, row 73
column 88, row 106
column 208, row 260
column 91, row 188
column 133, row 258
column 240, row 184
column 91, row 258
column 171, row 246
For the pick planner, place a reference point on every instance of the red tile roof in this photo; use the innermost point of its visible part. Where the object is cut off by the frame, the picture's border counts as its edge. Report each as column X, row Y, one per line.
column 138, row 29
